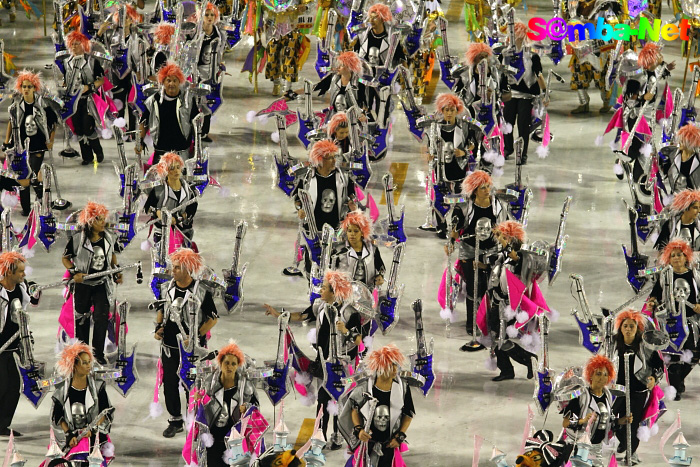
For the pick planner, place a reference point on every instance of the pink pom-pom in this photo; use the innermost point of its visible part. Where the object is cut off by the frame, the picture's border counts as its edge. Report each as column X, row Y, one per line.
column 148, row 140
column 644, row 434
column 654, row 429
column 506, row 128
column 490, row 364
column 511, row 332
column 614, row 146
column 646, row 150
column 275, row 137
column 667, row 359
column 446, row 314
column 155, row 410
column 542, row 151
column 106, row 133
column 500, row 161
column 311, row 336
column 618, row 170
column 686, row 355
column 522, row 317
column 599, row 140
column 302, row 378
column 9, row 199
column 332, row 408
column 309, row 399
column 670, row 392
column 107, row 449
column 250, row 116
column 486, row 341
column 207, row 439
column 120, row 122
column 146, row 245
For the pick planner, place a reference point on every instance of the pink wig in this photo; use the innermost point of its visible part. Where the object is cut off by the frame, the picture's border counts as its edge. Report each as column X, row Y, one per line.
column 649, row 55
column 340, row 118
column 8, row 260
column 382, row 360
column 677, row 244
column 212, row 7
column 474, row 180
column 321, row 149
column 683, row 200
column 521, row 31
column 189, row 259
column 66, row 361
column 77, row 36
column 689, row 136
column 358, row 219
column 130, row 12
column 447, row 99
column 511, row 230
column 630, row 314
column 340, row 283
column 90, row 212
column 381, row 10
column 166, row 162
column 351, row 60
column 231, row 349
column 170, row 69
column 163, row 33
column 26, row 75
column 598, row 362
column 476, row 49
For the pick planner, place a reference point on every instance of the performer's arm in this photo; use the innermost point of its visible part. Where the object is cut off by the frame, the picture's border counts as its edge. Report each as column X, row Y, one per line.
column 8, row 134
column 359, row 428
column 296, row 316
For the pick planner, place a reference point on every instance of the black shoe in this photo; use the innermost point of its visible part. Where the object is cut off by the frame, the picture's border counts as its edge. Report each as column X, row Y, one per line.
column 25, row 213
column 173, row 429
column 290, row 95
column 678, row 396
column 335, row 446
column 471, row 347
column 100, row 158
column 6, row 432
column 292, row 271
column 530, row 371
column 503, row 377
column 85, row 162
column 100, row 360
column 441, row 234
column 207, row 139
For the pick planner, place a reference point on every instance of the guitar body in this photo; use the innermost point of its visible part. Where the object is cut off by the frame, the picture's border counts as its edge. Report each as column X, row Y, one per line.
column 314, row 246
column 139, row 96
column 586, row 338
column 234, row 289
column 323, row 62
column 300, row 362
column 188, row 362
column 315, row 285
column 677, row 329
column 445, row 74
column 158, row 279
column 20, row 166
column 387, row 78
column 557, row 52
column 424, row 367
column 60, row 55
column 202, row 168
column 439, row 204
column 362, row 175
column 71, row 105
column 519, row 207
column 555, row 262
column 642, row 225
column 486, row 117
column 305, row 126
column 126, row 363
column 687, row 116
column 389, row 312
column 543, row 389
column 215, row 99
column 412, row 115
column 396, row 228
column 356, row 18
column 285, row 181
column 412, row 41
column 47, row 231
column 126, row 235
column 29, row 379
column 119, row 62
column 335, row 372
column 233, row 33
column 635, row 263
column 516, row 61
column 276, row 386
column 379, row 144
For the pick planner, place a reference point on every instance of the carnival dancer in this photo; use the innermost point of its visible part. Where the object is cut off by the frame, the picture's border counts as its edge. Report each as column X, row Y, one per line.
column 162, row 35
column 78, row 401
column 230, row 396
column 91, row 250
column 496, row 82
column 358, row 255
column 423, row 59
column 37, row 121
column 14, row 286
column 169, row 115
column 84, row 70
column 211, row 52
column 511, row 236
column 331, row 191
column 394, row 410
column 345, row 80
column 680, row 166
column 656, row 70
column 647, row 367
column 595, row 402
column 683, row 221
column 336, row 292
column 186, row 264
column 339, row 131
column 173, row 192
column 481, row 204
column 679, row 255
column 530, row 85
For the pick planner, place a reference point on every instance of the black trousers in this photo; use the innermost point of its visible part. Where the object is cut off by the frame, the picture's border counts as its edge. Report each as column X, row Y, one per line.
column 35, row 161
column 171, row 382
column 9, row 388
column 520, row 109
column 215, row 454
column 84, row 297
column 323, row 399
column 467, row 273
column 678, row 371
column 517, row 353
column 637, row 403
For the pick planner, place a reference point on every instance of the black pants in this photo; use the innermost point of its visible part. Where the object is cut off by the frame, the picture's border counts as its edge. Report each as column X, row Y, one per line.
column 90, row 149
column 467, row 273
column 9, row 388
column 35, row 161
column 215, row 454
column 171, row 382
column 84, row 297
column 121, row 92
column 520, row 109
column 678, row 371
column 517, row 353
column 206, row 125
column 637, row 403
column 323, row 399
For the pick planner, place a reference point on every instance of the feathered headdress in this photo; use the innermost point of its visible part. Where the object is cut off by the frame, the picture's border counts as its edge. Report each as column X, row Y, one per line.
column 381, row 10
column 689, row 136
column 357, row 218
column 474, row 180
column 340, row 284
column 231, row 349
column 683, row 200
column 351, row 60
column 448, row 99
column 70, row 353
column 511, row 230
column 189, row 259
column 630, row 314
column 167, row 160
column 321, row 149
column 90, row 212
column 8, row 259
column 597, row 362
column 677, row 244
column 28, row 75
column 170, row 69
column 381, row 360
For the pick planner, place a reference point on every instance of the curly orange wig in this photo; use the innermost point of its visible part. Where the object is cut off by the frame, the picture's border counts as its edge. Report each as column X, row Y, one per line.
column 689, row 136
column 629, row 313
column 166, row 162
column 130, row 13
column 231, row 349
column 521, row 31
column 351, row 60
column 170, row 69
column 683, row 200
column 447, row 99
column 381, row 360
column 511, row 230
column 8, row 262
column 210, row 6
column 70, row 353
column 357, row 218
column 27, row 75
column 340, row 283
column 381, row 10
column 338, row 120
column 476, row 49
column 321, row 149
column 90, row 212
column 474, row 180
column 649, row 55
column 599, row 362
column 163, row 33
column 77, row 36
column 677, row 244
column 189, row 259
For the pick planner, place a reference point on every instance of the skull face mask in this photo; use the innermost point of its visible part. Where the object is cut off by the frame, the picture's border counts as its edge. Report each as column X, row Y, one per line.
column 483, row 229
column 448, row 150
column 681, row 290
column 685, row 235
column 98, row 259
column 381, row 418
column 30, row 125
column 340, row 103
column 327, row 200
column 79, row 416
column 373, row 56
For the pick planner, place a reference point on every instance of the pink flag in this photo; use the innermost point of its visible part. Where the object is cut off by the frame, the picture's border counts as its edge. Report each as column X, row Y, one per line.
column 643, row 127
column 373, row 209
column 529, row 307
column 537, row 297
column 66, row 319
column 615, row 121
column 358, row 192
column 613, row 461
column 398, row 458
column 675, row 426
column 189, row 454
column 528, row 425
column 442, row 290
column 159, row 380
column 516, row 289
column 478, row 441
column 481, row 319
column 132, row 95
column 546, row 135
column 652, row 409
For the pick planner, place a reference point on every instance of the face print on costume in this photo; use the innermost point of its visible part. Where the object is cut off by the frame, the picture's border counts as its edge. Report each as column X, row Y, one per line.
column 30, row 125
column 373, row 56
column 483, row 228
column 79, row 416
column 340, row 103
column 684, row 234
column 327, row 200
column 381, row 418
column 98, row 259
column 681, row 289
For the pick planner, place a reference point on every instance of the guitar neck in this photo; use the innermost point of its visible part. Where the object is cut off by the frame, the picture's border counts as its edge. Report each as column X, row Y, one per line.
column 633, row 233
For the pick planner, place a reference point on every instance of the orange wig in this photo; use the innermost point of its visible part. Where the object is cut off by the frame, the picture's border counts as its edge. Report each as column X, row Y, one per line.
column 511, row 230
column 27, row 75
column 358, row 219
column 476, row 49
column 338, row 120
column 381, row 360
column 683, row 200
column 447, row 99
column 166, row 162
column 630, row 314
column 189, row 259
column 599, row 362
column 677, row 244
column 231, row 349
column 168, row 70
column 381, row 10
column 689, row 136
column 340, row 284
column 8, row 262
column 77, row 36
column 351, row 60
column 474, row 180
column 322, row 149
column 91, row 212
column 649, row 55
column 163, row 33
